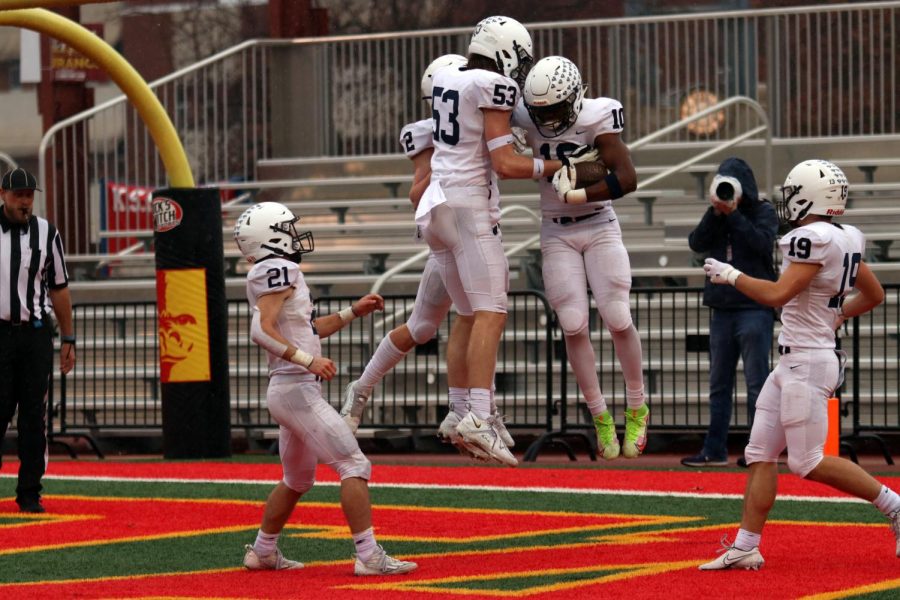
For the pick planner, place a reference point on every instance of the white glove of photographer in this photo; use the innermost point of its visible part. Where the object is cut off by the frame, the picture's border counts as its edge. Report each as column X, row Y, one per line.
column 719, row 272
column 519, row 142
column 564, row 184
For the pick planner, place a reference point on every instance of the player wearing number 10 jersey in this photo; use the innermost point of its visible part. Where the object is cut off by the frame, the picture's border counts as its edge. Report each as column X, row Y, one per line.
column 822, row 264
column 459, row 211
column 582, row 242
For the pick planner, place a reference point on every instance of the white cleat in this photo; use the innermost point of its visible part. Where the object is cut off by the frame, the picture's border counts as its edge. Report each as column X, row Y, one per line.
column 895, row 527
column 353, row 407
column 382, row 564
column 732, row 558
column 500, row 425
column 447, row 434
column 270, row 562
column 483, row 434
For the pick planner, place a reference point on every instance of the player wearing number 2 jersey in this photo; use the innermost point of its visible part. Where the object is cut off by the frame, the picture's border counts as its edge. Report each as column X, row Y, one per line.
column 459, row 211
column 822, row 264
column 582, row 243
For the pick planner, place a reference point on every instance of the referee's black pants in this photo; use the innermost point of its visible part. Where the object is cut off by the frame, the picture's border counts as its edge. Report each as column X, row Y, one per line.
column 26, row 360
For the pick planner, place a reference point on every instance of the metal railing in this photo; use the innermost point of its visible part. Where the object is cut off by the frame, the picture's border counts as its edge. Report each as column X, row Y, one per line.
column 700, row 116
column 818, row 71
column 114, row 385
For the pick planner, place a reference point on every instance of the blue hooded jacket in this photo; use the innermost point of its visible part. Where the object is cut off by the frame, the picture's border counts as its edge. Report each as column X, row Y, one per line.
column 744, row 239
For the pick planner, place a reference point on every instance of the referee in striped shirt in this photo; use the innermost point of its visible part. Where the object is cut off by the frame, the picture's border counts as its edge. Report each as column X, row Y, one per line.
column 32, row 278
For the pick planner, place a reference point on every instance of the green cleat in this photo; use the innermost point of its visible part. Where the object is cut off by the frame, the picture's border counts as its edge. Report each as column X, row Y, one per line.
column 636, row 420
column 607, row 442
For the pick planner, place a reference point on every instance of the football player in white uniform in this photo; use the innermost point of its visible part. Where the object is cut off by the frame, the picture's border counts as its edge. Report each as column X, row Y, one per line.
column 284, row 323
column 822, row 263
column 432, row 300
column 581, row 241
column 459, row 211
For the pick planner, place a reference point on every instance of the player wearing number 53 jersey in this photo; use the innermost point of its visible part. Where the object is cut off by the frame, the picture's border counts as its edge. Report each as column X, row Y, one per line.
column 458, row 212
column 582, row 243
column 432, row 301
column 822, row 265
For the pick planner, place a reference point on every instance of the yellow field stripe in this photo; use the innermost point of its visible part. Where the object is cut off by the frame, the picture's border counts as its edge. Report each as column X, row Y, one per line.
column 118, row 577
column 891, row 584
column 628, row 571
column 126, row 540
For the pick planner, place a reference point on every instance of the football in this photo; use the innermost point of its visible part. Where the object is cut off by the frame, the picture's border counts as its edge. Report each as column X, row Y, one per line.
column 589, row 172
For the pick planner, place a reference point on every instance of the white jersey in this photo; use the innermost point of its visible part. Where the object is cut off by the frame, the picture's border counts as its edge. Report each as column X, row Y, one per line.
column 297, row 313
column 807, row 318
column 415, row 138
column 461, row 157
column 598, row 116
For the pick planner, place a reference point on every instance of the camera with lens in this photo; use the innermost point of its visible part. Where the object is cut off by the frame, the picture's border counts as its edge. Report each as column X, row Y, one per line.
column 725, row 189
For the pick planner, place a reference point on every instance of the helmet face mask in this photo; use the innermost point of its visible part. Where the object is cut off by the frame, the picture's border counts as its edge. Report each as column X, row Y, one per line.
column 270, row 229
column 506, row 42
column 524, row 62
column 813, row 187
column 553, row 95
column 447, row 60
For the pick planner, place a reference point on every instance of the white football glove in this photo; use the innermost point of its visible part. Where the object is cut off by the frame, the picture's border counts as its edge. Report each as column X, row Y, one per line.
column 564, row 184
column 719, row 272
column 519, row 142
column 583, row 153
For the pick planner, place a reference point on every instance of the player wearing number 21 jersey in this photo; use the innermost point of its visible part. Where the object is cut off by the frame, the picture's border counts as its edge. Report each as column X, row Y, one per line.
column 822, row 264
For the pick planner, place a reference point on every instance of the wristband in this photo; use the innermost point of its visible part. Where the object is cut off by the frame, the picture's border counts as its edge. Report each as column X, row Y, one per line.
column 67, row 339
column 538, row 168
column 733, row 276
column 347, row 315
column 498, row 142
column 612, row 184
column 302, row 358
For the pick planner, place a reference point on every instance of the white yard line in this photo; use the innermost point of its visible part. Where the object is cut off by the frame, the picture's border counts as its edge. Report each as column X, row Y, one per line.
column 478, row 488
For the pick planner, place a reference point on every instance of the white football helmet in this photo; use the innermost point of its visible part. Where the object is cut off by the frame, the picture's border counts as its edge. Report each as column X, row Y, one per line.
column 507, row 42
column 269, row 229
column 447, row 60
column 553, row 95
column 813, row 187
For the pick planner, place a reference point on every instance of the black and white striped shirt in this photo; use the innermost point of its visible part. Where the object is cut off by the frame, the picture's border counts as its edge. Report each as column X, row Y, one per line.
column 31, row 263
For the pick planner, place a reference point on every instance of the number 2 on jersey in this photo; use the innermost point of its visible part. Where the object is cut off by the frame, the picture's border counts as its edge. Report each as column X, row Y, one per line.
column 451, row 98
column 408, row 142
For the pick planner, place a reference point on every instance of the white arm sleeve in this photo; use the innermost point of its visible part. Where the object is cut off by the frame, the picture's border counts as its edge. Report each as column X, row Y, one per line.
column 263, row 339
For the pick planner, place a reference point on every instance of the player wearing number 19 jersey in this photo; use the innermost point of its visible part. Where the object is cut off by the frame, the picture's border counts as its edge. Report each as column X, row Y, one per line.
column 583, row 242
column 822, row 264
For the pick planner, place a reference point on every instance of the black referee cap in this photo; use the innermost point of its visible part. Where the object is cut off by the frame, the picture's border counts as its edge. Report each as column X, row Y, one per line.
column 19, row 179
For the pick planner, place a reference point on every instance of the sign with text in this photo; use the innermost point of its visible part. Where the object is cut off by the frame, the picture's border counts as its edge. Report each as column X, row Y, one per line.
column 126, row 208
column 68, row 64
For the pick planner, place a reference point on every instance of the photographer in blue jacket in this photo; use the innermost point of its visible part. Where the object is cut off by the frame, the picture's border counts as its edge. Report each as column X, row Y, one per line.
column 738, row 228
